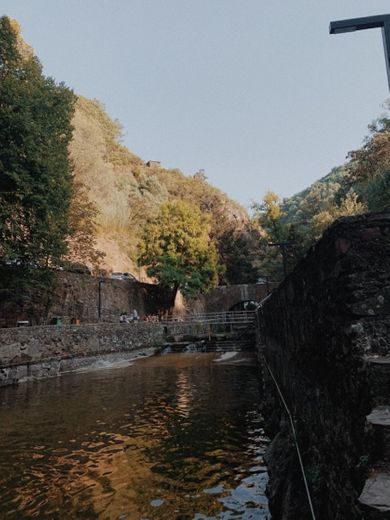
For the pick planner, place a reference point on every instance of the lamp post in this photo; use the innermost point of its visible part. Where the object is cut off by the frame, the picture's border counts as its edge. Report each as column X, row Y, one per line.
column 100, row 299
column 370, row 22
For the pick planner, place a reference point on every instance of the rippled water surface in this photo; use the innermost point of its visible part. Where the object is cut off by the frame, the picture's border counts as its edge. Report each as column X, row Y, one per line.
column 171, row 437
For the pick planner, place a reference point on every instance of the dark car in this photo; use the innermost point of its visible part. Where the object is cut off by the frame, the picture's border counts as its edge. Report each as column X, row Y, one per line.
column 77, row 268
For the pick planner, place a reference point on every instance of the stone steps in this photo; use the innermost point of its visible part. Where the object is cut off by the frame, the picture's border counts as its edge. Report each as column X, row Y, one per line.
column 376, row 491
column 380, row 416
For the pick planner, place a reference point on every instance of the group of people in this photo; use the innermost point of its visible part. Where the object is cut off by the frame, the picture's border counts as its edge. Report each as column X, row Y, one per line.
column 152, row 317
column 133, row 316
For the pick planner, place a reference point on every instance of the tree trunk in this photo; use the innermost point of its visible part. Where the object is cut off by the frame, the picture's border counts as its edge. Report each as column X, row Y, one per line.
column 173, row 298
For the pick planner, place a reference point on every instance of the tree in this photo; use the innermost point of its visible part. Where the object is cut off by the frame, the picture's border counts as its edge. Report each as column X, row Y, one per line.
column 177, row 250
column 370, row 167
column 82, row 220
column 35, row 171
column 269, row 214
column 348, row 206
column 374, row 157
column 378, row 193
column 283, row 239
column 236, row 251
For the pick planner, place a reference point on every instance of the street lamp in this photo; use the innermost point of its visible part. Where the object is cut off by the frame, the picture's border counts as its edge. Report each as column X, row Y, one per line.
column 100, row 299
column 370, row 22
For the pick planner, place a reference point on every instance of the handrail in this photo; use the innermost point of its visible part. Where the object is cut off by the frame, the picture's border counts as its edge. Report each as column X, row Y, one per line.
column 228, row 317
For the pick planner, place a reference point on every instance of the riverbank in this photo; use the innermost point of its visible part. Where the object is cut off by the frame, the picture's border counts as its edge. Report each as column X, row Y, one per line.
column 48, row 351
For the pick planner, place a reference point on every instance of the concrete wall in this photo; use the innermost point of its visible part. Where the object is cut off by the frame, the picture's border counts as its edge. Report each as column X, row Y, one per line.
column 317, row 333
column 44, row 351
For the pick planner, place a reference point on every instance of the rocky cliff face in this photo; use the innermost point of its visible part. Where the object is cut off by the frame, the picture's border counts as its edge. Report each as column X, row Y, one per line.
column 324, row 337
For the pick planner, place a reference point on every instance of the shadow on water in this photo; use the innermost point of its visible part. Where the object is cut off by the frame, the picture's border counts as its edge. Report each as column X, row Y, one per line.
column 170, row 437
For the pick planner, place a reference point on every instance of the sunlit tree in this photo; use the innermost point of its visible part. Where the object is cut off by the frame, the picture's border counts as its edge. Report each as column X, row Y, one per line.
column 177, row 250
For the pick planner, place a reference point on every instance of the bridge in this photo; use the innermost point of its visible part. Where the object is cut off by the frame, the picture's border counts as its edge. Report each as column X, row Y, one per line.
column 230, row 297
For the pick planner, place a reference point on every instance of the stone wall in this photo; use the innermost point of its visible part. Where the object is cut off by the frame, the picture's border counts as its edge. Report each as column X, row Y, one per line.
column 223, row 298
column 76, row 296
column 45, row 350
column 317, row 333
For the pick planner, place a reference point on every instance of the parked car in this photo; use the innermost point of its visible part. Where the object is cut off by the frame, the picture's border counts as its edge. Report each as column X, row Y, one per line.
column 129, row 276
column 77, row 268
column 116, row 276
column 24, row 264
column 123, row 276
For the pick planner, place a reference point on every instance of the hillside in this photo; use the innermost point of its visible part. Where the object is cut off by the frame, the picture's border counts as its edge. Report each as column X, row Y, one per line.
column 361, row 184
column 364, row 178
column 127, row 192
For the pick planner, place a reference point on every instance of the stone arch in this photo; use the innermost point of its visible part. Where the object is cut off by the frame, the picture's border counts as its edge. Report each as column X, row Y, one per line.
column 244, row 305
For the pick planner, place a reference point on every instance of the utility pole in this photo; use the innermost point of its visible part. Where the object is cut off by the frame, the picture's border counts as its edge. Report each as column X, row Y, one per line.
column 370, row 22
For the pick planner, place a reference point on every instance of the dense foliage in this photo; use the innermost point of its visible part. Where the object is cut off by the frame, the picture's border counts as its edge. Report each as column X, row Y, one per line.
column 36, row 182
column 362, row 184
column 71, row 191
column 35, row 172
column 177, row 250
column 127, row 194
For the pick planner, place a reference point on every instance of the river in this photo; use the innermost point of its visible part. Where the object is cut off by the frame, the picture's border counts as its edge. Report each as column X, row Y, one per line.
column 172, row 437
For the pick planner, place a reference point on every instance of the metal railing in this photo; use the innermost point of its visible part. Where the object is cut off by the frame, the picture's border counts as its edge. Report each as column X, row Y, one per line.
column 215, row 318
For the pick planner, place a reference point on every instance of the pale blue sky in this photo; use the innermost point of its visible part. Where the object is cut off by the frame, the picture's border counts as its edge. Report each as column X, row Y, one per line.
column 255, row 92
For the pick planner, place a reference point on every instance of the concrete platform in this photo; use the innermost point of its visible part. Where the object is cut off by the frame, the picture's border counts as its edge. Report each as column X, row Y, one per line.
column 378, row 360
column 376, row 491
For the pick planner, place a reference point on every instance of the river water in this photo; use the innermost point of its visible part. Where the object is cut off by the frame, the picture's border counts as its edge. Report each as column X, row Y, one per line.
column 170, row 437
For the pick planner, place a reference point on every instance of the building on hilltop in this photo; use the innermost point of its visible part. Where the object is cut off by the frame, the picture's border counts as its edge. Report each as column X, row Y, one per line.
column 153, row 164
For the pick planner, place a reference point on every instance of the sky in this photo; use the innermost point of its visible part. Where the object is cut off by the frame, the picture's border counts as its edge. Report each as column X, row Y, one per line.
column 254, row 92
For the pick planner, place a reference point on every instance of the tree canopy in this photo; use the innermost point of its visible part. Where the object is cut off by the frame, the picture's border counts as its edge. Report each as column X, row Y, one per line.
column 177, row 250
column 361, row 184
column 35, row 171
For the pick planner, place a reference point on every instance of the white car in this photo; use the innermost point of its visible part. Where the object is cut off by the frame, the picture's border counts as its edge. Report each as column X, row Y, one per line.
column 123, row 276
column 116, row 276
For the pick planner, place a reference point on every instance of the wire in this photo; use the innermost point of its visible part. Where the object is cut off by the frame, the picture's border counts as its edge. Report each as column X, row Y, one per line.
column 295, row 438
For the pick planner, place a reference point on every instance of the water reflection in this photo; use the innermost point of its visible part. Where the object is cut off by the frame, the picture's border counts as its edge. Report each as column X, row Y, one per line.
column 174, row 437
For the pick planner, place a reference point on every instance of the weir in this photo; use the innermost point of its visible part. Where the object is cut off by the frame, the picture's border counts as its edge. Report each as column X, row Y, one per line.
column 209, row 332
column 323, row 339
